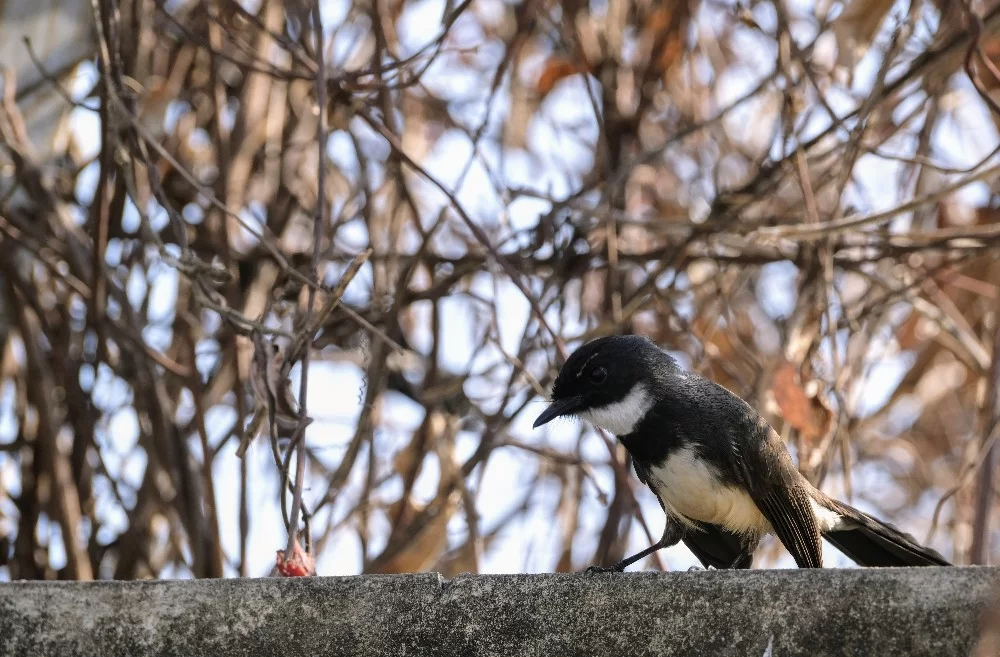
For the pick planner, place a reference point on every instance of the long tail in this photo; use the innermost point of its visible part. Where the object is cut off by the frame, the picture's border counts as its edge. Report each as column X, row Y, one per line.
column 873, row 543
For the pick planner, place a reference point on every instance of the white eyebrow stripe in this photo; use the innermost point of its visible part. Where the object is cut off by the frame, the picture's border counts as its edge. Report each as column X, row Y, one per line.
column 579, row 372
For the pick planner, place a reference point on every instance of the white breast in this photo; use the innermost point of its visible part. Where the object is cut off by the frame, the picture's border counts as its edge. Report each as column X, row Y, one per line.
column 691, row 489
column 622, row 417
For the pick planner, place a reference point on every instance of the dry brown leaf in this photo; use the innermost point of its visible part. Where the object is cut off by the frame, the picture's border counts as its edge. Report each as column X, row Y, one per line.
column 664, row 31
column 856, row 27
column 808, row 414
column 430, row 541
column 907, row 335
column 722, row 350
column 556, row 69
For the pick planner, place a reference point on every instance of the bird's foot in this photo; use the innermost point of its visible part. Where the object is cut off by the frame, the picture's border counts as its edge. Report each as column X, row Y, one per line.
column 693, row 569
column 603, row 569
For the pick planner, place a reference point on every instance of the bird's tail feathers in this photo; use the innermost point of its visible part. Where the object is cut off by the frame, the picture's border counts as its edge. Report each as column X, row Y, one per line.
column 873, row 543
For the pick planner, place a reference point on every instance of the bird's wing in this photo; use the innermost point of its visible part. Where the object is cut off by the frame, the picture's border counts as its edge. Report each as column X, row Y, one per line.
column 762, row 465
column 734, row 437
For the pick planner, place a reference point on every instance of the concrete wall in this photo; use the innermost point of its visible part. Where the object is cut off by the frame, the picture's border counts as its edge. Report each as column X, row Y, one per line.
column 885, row 613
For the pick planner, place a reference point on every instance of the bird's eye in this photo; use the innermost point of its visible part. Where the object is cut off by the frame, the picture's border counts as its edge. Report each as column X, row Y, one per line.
column 598, row 374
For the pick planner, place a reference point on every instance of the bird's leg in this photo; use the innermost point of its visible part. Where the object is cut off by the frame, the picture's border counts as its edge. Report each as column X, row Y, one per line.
column 672, row 534
column 745, row 560
column 627, row 561
column 736, row 562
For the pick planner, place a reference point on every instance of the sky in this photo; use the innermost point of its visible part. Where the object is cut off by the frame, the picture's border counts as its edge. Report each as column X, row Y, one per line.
column 335, row 388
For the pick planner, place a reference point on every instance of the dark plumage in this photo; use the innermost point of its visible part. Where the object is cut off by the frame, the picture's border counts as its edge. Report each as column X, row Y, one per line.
column 720, row 472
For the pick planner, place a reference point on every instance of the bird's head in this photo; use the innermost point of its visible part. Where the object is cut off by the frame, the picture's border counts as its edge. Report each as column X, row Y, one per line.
column 610, row 382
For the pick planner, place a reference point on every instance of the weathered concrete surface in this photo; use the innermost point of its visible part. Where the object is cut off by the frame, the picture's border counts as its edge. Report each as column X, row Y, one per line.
column 885, row 613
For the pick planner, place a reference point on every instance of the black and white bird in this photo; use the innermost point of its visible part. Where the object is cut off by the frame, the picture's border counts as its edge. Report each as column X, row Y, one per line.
column 719, row 470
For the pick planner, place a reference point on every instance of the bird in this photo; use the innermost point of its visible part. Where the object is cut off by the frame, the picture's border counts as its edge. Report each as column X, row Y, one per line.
column 721, row 473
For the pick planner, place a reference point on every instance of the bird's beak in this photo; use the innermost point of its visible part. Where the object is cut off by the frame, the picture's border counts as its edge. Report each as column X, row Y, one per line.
column 558, row 408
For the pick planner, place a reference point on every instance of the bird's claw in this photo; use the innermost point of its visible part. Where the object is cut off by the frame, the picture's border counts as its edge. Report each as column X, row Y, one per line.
column 693, row 569
column 602, row 569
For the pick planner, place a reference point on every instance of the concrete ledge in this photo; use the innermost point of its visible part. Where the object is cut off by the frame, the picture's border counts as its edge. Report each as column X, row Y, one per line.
column 886, row 612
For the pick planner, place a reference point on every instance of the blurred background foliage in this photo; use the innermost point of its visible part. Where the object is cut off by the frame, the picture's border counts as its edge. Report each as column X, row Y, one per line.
column 796, row 198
